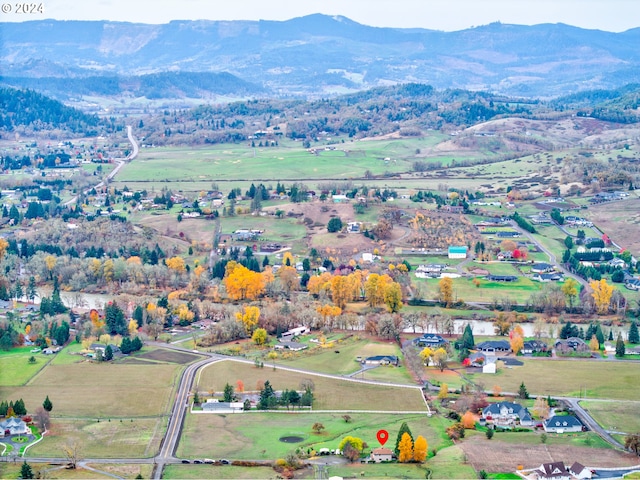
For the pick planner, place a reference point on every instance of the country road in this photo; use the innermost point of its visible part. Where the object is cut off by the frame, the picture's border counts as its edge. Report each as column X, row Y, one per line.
column 119, row 165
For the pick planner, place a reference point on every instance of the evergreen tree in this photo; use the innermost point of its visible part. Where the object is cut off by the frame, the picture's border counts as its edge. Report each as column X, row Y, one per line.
column 136, row 344
column 4, row 406
column 228, row 393
column 19, row 409
column 522, row 391
column 31, row 289
column 47, row 405
column 125, row 346
column 610, row 338
column 620, row 349
column 108, row 353
column 25, row 471
column 115, row 321
column 599, row 335
column 404, row 428
column 468, row 341
column 267, row 396
column 633, row 333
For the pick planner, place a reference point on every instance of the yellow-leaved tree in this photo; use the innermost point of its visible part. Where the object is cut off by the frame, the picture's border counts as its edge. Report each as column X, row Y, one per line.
column 242, row 283
column 133, row 327
column 406, row 448
column 420, row 448
column 445, row 287
column 249, row 318
column 601, row 294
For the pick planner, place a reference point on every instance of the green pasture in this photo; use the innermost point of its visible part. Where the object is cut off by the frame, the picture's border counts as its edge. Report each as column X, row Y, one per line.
column 327, row 361
column 15, row 368
column 257, row 436
column 601, row 379
column 448, row 463
column 576, row 439
column 12, row 470
column 107, row 438
column 495, row 268
column 487, row 291
column 329, row 393
column 616, row 416
column 124, row 470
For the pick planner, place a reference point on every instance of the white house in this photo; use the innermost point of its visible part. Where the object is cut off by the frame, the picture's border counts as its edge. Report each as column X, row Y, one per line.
column 13, row 426
column 214, row 406
column 381, row 454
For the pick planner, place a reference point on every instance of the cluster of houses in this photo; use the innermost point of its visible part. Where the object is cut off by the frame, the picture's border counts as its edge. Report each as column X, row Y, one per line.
column 510, row 415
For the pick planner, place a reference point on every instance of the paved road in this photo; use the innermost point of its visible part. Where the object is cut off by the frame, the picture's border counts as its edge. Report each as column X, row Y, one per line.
column 552, row 258
column 114, row 172
column 588, row 420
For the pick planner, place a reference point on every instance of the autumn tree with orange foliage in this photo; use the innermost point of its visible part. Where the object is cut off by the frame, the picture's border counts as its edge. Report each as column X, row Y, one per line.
column 328, row 312
column 601, row 294
column 341, row 292
column 242, row 283
column 375, row 287
column 468, row 420
column 420, row 449
column 319, row 283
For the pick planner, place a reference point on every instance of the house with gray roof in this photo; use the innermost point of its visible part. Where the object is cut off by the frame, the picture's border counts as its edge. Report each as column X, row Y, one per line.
column 494, row 346
column 507, row 415
column 213, row 406
column 562, row 424
column 13, row 426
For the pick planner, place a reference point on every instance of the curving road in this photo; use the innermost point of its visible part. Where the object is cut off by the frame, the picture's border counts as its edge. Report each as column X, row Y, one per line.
column 114, row 172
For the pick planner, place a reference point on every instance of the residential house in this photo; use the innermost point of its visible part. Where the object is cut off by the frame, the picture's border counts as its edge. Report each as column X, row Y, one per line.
column 494, row 346
column 213, row 406
column 294, row 332
column 553, row 471
column 381, row 454
column 458, row 251
column 353, row 227
column 507, row 415
column 288, row 345
column 431, row 340
column 632, row 284
column 570, row 344
column 541, row 267
column 505, row 255
column 533, row 346
column 477, row 359
column 562, row 424
column 579, row 471
column 502, row 278
column 618, row 262
column 13, row 426
column 432, row 270
column 508, row 234
column 547, row 277
column 382, row 360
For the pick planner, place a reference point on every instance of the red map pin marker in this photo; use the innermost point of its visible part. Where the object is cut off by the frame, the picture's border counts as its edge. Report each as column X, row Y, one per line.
column 383, row 436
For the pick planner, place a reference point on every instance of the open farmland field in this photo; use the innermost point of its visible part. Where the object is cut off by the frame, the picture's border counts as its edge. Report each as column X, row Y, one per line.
column 256, row 435
column 108, row 438
column 615, row 416
column 73, row 389
column 614, row 380
column 499, row 456
column 329, row 393
column 218, row 471
column 621, row 221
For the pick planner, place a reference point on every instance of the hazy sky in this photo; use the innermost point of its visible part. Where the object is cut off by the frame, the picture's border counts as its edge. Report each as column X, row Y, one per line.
column 448, row 15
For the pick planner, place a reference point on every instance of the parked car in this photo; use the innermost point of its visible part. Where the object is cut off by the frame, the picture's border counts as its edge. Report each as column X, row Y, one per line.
column 224, row 461
column 198, row 461
column 209, row 460
column 186, row 461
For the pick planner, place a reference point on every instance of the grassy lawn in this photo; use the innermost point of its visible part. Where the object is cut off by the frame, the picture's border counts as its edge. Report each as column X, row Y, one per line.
column 15, row 368
column 327, row 361
column 578, row 439
column 256, row 435
column 330, row 394
column 464, row 289
column 100, row 390
column 12, row 470
column 614, row 380
column 134, row 438
column 618, row 416
column 448, row 463
column 217, row 471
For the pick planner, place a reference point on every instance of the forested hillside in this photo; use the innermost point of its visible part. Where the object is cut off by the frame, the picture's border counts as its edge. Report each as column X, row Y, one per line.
column 30, row 109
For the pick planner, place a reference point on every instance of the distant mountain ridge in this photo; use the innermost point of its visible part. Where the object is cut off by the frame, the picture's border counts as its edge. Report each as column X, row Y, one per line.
column 319, row 54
